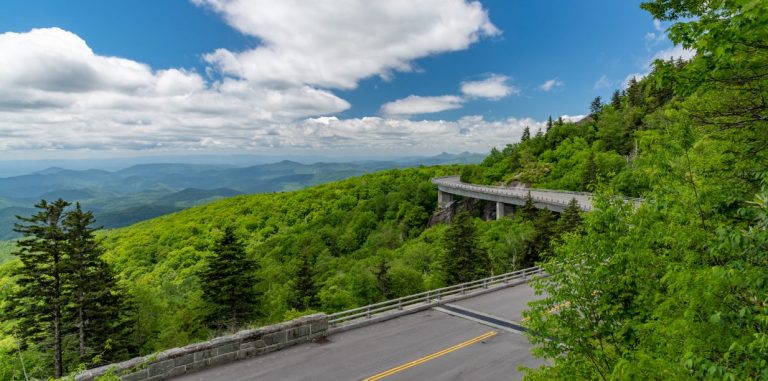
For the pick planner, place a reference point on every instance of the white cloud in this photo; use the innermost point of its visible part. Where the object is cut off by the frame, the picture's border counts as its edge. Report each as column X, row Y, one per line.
column 494, row 87
column 572, row 118
column 56, row 93
column 657, row 25
column 602, row 83
column 415, row 105
column 674, row 52
column 336, row 44
column 550, row 84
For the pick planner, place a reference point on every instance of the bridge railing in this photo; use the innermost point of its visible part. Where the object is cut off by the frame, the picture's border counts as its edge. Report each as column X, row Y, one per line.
column 429, row 298
column 455, row 182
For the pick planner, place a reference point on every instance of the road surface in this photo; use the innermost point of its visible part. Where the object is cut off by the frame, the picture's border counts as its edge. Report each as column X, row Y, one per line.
column 430, row 345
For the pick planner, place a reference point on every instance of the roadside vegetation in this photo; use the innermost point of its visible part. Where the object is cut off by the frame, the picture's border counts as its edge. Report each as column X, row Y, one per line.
column 674, row 289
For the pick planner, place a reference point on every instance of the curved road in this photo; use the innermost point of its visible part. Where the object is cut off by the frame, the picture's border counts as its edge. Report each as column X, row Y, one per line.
column 431, row 345
column 544, row 198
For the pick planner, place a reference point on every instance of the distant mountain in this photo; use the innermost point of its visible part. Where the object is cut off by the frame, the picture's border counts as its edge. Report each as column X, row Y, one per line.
column 125, row 196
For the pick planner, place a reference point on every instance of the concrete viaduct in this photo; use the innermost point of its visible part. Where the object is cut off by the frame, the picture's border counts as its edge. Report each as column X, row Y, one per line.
column 507, row 198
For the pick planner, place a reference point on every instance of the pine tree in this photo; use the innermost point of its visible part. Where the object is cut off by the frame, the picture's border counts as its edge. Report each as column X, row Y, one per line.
column 539, row 133
column 306, row 289
column 634, row 93
column 528, row 211
column 463, row 261
column 570, row 219
column 616, row 100
column 383, row 281
column 39, row 302
column 540, row 245
column 526, row 134
column 595, row 107
column 229, row 284
column 96, row 307
column 589, row 175
column 550, row 123
column 560, row 121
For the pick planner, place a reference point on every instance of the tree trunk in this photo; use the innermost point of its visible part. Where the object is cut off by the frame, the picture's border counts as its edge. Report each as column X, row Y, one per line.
column 81, row 326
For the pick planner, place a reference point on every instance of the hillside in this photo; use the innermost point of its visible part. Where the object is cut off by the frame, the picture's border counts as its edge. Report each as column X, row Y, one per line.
column 140, row 192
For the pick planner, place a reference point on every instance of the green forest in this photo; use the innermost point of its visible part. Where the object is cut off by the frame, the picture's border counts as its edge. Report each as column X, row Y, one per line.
column 675, row 289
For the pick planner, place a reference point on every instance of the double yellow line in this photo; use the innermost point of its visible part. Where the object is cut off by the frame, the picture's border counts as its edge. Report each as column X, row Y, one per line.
column 433, row 356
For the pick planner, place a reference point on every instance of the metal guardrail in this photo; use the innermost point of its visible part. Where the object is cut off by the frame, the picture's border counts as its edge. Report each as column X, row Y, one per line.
column 429, row 298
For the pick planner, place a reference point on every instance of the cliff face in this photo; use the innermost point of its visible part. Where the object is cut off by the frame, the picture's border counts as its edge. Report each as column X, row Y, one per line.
column 483, row 209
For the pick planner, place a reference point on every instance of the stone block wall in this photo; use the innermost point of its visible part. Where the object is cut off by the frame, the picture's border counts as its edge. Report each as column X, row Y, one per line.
column 221, row 350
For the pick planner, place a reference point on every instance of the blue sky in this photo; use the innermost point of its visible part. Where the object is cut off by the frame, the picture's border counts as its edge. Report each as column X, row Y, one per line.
column 200, row 76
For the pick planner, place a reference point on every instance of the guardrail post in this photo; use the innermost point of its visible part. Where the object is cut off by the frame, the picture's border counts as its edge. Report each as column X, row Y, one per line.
column 506, row 278
column 368, row 312
column 462, row 289
column 438, row 295
column 426, row 298
column 485, row 283
column 399, row 304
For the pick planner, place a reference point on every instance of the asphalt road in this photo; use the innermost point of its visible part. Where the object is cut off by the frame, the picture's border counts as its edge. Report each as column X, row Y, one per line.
column 429, row 345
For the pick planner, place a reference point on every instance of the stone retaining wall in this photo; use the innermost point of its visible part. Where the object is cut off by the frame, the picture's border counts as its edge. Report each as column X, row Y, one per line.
column 221, row 350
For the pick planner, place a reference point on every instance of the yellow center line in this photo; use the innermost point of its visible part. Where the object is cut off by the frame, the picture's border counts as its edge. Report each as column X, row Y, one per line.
column 433, row 356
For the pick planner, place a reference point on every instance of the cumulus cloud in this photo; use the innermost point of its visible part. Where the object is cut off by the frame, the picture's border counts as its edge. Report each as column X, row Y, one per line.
column 675, row 52
column 572, row 118
column 56, row 93
column 334, row 45
column 494, row 87
column 550, row 84
column 415, row 105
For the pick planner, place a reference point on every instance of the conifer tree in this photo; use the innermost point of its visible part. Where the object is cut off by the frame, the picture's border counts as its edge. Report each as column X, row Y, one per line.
column 95, row 305
column 616, row 100
column 39, row 302
column 589, row 175
column 595, row 107
column 634, row 93
column 550, row 123
column 229, row 283
column 306, row 288
column 528, row 211
column 383, row 281
column 570, row 218
column 560, row 121
column 463, row 261
column 526, row 134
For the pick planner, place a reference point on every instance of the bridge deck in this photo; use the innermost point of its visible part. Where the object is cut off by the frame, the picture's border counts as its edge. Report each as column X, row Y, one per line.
column 544, row 199
column 373, row 350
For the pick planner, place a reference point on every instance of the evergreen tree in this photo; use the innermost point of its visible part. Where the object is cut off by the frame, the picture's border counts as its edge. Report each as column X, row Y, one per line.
column 595, row 107
column 229, row 283
column 540, row 244
column 526, row 134
column 528, row 211
column 616, row 100
column 634, row 93
column 96, row 305
column 539, row 133
column 306, row 288
column 39, row 302
column 589, row 175
column 570, row 219
column 550, row 123
column 560, row 121
column 383, row 281
column 463, row 261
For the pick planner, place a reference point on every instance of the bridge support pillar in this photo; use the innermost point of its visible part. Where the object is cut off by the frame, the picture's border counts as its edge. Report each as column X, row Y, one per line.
column 500, row 210
column 444, row 199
